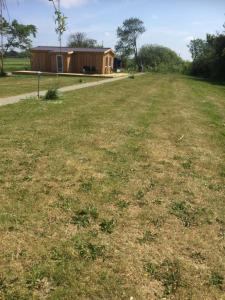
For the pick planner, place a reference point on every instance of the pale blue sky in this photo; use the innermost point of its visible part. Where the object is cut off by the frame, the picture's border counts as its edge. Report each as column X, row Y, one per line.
column 171, row 23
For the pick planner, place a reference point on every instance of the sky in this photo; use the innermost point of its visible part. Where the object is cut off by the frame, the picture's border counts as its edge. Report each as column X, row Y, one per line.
column 171, row 23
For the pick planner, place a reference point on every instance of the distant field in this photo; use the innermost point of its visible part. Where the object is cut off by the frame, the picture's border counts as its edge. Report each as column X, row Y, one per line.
column 16, row 64
column 115, row 192
column 20, row 84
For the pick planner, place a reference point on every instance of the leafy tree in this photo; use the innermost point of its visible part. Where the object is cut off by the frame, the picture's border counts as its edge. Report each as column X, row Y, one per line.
column 158, row 58
column 80, row 40
column 60, row 21
column 127, row 36
column 197, row 48
column 209, row 56
column 17, row 36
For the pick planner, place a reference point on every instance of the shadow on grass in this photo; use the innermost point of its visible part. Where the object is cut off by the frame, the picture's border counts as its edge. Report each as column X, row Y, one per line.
column 207, row 80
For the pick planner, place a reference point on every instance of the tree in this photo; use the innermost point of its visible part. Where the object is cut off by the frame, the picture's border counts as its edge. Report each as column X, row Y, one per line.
column 60, row 21
column 80, row 40
column 208, row 56
column 197, row 48
column 128, row 34
column 155, row 57
column 17, row 36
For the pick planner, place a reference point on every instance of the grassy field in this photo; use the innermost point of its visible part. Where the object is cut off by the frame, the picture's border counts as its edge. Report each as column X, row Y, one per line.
column 20, row 84
column 115, row 192
column 16, row 64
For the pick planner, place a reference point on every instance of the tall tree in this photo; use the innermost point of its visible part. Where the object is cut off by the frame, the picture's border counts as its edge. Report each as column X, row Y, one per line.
column 16, row 36
column 197, row 47
column 127, row 36
column 208, row 56
column 80, row 40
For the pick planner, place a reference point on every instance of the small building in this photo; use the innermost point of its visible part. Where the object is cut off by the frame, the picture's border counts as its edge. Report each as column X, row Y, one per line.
column 72, row 60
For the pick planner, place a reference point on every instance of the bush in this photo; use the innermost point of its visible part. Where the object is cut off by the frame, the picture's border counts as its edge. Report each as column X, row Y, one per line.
column 160, row 59
column 52, row 94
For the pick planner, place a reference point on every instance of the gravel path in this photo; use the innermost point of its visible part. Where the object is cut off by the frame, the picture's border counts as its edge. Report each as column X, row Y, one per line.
column 15, row 99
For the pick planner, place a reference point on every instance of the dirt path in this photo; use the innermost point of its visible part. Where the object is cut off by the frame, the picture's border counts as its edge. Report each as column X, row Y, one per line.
column 15, row 99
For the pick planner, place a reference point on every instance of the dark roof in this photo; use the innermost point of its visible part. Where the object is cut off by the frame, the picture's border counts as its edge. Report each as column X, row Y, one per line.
column 67, row 49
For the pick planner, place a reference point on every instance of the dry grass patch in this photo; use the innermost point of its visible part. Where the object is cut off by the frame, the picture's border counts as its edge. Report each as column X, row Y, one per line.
column 118, row 192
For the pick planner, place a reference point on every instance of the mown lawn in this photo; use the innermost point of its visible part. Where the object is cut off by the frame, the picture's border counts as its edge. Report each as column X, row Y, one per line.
column 16, row 64
column 20, row 84
column 115, row 192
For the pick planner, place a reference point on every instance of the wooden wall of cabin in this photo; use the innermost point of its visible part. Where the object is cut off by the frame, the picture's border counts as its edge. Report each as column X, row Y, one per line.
column 46, row 62
column 82, row 59
column 72, row 63
column 40, row 61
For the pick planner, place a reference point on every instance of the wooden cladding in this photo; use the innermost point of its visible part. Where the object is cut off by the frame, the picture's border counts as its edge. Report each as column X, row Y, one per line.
column 77, row 62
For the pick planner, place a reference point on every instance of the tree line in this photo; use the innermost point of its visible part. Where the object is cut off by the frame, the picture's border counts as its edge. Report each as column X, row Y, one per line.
column 208, row 54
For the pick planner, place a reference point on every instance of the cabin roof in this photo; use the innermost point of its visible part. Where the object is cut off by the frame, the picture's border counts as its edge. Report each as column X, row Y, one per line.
column 69, row 50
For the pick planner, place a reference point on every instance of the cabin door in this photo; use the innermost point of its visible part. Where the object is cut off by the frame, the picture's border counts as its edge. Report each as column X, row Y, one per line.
column 59, row 63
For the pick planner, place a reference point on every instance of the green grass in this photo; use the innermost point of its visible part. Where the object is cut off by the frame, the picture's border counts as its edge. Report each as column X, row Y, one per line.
column 20, row 84
column 115, row 192
column 16, row 64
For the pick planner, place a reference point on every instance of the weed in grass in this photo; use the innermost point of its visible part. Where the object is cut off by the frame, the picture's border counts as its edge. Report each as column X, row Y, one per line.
column 158, row 221
column 83, row 216
column 60, row 255
column 86, row 186
column 122, row 204
column 187, row 164
column 148, row 237
column 114, row 195
column 215, row 187
column 2, row 283
column 107, row 226
column 168, row 273
column 221, row 233
column 64, row 202
column 139, row 195
column 183, row 211
column 222, row 172
column 118, row 175
column 36, row 274
column 177, row 157
column 80, row 80
column 217, row 280
column 151, row 269
column 197, row 257
column 157, row 201
column 89, row 251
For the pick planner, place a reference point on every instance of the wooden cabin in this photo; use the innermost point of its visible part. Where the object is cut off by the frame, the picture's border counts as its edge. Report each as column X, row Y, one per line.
column 72, row 60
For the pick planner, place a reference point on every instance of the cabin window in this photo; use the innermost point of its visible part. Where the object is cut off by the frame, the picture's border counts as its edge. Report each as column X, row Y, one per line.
column 59, row 63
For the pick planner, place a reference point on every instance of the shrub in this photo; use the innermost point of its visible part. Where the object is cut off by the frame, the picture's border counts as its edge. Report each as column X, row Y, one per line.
column 52, row 94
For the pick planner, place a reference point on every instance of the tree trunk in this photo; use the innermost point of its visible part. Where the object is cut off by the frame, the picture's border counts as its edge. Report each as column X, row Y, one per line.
column 1, row 33
column 136, row 54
